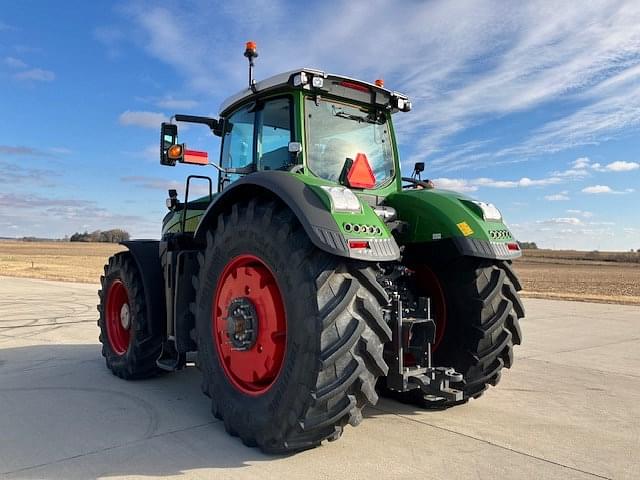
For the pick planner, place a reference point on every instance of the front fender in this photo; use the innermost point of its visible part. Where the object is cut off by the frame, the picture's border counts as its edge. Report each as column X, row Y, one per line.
column 452, row 221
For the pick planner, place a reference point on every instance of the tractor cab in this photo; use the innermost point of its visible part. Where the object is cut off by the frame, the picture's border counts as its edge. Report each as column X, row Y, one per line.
column 335, row 129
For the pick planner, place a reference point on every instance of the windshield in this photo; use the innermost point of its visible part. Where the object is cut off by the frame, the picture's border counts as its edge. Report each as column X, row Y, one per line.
column 337, row 131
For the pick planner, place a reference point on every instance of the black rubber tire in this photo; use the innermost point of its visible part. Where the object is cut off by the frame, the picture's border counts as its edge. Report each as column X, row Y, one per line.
column 139, row 361
column 335, row 333
column 483, row 310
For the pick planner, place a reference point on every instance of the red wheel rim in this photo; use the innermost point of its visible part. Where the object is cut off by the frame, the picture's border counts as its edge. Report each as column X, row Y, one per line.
column 248, row 281
column 118, row 319
column 430, row 285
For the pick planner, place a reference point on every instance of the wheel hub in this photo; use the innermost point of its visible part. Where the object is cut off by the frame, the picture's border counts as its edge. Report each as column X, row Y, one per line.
column 249, row 324
column 242, row 324
column 125, row 316
column 118, row 317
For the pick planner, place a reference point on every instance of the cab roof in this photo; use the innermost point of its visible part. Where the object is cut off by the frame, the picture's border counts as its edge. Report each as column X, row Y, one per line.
column 305, row 78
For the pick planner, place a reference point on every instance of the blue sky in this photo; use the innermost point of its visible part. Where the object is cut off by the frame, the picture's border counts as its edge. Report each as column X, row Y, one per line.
column 532, row 106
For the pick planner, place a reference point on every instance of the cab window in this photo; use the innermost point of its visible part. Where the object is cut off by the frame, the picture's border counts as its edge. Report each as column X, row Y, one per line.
column 274, row 134
column 237, row 144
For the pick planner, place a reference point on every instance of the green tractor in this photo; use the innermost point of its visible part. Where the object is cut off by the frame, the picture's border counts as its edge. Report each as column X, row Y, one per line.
column 315, row 277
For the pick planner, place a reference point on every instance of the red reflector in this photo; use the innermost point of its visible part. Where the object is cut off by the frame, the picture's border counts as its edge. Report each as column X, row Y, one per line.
column 354, row 86
column 513, row 246
column 196, row 157
column 360, row 174
column 358, row 244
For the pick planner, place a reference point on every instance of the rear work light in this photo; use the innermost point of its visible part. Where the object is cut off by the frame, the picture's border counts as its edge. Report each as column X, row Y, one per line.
column 360, row 174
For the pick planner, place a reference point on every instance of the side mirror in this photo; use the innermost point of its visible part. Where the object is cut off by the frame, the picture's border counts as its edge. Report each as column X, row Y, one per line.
column 168, row 138
column 418, row 167
column 171, row 151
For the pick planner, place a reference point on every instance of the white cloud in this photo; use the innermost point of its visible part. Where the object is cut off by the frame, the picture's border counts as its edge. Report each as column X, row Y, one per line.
column 582, row 167
column 142, row 119
column 36, row 75
column 13, row 62
column 580, row 163
column 456, row 184
column 557, row 197
column 598, row 189
column 473, row 184
column 621, row 166
column 563, row 221
column 581, row 213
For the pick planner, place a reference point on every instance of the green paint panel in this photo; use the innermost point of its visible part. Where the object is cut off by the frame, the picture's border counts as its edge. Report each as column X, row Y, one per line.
column 435, row 214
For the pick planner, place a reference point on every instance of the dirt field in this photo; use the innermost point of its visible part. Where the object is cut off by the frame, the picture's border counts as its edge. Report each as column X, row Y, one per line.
column 609, row 277
column 587, row 276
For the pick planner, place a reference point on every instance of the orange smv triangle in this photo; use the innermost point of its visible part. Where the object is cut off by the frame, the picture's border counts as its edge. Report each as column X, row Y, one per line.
column 360, row 174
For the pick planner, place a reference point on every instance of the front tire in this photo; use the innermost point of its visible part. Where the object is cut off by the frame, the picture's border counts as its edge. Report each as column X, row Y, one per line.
column 130, row 351
column 477, row 310
column 325, row 354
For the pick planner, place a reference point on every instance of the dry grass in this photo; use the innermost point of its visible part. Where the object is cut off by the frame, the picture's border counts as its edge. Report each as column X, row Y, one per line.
column 588, row 276
column 69, row 262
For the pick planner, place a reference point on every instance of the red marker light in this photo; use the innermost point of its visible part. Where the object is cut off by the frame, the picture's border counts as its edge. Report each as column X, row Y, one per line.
column 360, row 174
column 196, row 157
column 358, row 244
column 354, row 86
column 513, row 246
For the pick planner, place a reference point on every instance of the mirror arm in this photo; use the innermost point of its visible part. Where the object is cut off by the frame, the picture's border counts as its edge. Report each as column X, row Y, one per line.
column 220, row 169
column 214, row 124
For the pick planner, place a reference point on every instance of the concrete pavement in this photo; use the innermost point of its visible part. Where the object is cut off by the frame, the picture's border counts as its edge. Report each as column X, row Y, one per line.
column 569, row 408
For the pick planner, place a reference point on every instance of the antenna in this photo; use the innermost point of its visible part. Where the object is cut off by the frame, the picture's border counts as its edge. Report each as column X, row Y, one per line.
column 251, row 52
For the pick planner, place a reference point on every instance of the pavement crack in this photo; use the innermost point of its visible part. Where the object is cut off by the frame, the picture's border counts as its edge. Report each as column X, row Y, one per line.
column 107, row 449
column 55, row 324
column 488, row 442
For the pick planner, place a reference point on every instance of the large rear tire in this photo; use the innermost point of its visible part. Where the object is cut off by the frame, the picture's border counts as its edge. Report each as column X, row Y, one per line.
column 477, row 310
column 323, row 351
column 130, row 351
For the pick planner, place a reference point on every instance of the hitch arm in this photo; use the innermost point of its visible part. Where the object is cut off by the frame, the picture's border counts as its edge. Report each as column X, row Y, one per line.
column 434, row 382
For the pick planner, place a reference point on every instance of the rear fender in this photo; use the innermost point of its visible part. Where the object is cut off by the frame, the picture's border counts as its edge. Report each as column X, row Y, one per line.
column 307, row 205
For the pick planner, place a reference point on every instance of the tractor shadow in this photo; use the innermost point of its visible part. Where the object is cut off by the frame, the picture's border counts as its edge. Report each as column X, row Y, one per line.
column 63, row 415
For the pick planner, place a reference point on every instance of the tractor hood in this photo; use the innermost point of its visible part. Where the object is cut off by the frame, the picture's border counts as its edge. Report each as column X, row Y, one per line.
column 442, row 215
